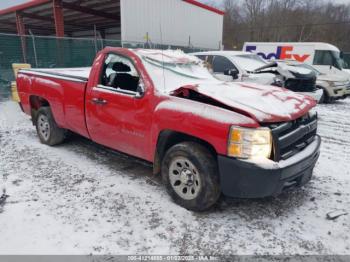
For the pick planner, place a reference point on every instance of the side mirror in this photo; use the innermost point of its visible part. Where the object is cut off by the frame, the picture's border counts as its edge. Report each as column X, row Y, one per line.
column 232, row 72
column 140, row 91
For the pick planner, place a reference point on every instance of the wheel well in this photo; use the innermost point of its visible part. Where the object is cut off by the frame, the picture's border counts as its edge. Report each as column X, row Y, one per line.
column 35, row 103
column 169, row 138
column 323, row 88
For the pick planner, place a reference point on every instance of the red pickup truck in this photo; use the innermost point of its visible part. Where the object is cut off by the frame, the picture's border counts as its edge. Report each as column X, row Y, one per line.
column 204, row 136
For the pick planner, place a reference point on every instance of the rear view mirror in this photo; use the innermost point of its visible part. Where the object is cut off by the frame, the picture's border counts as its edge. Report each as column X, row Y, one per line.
column 232, row 72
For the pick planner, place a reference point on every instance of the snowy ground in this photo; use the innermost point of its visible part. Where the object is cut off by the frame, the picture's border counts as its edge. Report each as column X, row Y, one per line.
column 81, row 198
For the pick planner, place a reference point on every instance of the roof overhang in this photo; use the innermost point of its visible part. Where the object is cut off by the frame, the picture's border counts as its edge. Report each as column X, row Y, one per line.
column 204, row 6
column 85, row 15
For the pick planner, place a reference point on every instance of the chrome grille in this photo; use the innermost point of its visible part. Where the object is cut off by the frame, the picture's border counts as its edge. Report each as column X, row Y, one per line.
column 292, row 137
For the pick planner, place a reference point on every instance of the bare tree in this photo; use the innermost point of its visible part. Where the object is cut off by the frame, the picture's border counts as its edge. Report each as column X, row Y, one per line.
column 286, row 20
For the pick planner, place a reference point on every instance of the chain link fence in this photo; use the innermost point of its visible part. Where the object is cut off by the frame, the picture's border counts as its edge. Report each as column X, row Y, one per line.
column 52, row 52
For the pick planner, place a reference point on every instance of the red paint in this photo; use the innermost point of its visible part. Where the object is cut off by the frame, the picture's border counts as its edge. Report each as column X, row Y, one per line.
column 21, row 7
column 301, row 58
column 21, row 31
column 126, row 123
column 58, row 17
column 285, row 54
column 204, row 6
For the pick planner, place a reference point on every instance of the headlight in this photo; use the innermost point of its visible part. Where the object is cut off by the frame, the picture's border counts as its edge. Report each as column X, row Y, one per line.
column 312, row 112
column 337, row 84
column 249, row 142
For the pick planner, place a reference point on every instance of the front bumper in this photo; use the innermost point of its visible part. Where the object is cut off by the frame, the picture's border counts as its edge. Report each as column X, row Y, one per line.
column 251, row 179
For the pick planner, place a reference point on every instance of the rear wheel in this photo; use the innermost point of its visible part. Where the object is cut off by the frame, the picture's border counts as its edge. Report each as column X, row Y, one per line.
column 48, row 131
column 190, row 174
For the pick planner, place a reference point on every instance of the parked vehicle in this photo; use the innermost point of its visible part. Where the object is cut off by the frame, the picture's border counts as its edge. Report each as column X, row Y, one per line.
column 203, row 136
column 326, row 58
column 248, row 67
column 334, row 87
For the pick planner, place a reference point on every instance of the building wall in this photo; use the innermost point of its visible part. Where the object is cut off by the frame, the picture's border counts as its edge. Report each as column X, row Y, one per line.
column 178, row 24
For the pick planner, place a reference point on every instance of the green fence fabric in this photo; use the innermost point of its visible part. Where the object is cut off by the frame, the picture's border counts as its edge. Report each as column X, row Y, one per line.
column 52, row 52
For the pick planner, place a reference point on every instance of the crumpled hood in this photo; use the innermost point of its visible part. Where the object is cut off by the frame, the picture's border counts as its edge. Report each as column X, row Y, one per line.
column 265, row 104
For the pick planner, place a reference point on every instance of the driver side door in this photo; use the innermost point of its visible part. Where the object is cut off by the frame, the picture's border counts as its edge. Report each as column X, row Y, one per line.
column 119, row 117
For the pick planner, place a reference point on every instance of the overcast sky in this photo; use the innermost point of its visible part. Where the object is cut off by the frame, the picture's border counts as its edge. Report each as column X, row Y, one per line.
column 7, row 3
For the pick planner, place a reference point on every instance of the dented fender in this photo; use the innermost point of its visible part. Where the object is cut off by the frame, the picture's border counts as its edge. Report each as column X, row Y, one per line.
column 198, row 120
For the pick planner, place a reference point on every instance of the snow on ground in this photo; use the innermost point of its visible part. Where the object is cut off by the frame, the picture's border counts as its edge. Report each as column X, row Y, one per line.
column 81, row 198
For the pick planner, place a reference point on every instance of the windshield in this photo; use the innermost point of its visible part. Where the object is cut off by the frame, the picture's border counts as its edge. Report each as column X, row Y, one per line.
column 346, row 58
column 170, row 70
column 249, row 62
column 330, row 58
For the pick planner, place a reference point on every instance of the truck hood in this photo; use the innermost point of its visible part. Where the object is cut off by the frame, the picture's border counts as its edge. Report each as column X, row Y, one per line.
column 264, row 104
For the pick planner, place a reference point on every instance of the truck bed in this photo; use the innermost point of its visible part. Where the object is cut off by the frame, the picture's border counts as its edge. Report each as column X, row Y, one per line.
column 67, row 96
column 76, row 73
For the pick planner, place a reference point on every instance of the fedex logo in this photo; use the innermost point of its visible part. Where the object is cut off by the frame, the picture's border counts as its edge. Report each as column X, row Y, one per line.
column 283, row 52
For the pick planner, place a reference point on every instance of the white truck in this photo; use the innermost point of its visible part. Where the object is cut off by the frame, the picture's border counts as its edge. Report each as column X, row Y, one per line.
column 326, row 58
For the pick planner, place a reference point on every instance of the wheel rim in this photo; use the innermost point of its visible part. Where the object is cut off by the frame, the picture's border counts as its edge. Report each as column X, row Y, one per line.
column 184, row 178
column 44, row 127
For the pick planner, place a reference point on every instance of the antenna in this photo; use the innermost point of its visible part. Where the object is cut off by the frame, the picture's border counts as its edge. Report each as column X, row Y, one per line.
column 161, row 41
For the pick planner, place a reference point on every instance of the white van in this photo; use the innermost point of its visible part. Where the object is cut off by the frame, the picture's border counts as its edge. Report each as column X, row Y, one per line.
column 326, row 58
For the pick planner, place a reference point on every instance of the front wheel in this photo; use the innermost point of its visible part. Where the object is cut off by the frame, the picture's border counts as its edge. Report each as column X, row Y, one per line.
column 48, row 131
column 190, row 174
column 325, row 99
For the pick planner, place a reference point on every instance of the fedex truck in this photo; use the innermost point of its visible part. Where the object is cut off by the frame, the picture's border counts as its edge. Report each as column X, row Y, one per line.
column 324, row 57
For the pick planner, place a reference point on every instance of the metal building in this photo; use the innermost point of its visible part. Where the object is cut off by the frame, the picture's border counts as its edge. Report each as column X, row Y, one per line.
column 173, row 22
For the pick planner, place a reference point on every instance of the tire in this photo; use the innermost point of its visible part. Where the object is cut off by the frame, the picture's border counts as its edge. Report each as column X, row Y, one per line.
column 322, row 98
column 48, row 131
column 325, row 99
column 190, row 174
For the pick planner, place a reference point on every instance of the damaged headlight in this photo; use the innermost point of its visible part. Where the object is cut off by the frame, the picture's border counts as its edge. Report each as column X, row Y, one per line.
column 249, row 142
column 313, row 112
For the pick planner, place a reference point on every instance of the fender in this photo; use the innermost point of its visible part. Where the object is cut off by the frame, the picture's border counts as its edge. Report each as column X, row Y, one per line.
column 50, row 89
column 196, row 119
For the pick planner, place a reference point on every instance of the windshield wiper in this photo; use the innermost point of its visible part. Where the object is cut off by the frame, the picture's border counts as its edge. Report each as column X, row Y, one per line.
column 272, row 64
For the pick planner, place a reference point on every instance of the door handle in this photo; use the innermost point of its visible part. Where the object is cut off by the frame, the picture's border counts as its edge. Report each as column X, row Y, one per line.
column 99, row 101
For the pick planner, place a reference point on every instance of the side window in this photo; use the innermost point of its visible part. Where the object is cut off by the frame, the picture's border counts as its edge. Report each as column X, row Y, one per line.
column 210, row 59
column 120, row 73
column 323, row 58
column 221, row 63
column 202, row 57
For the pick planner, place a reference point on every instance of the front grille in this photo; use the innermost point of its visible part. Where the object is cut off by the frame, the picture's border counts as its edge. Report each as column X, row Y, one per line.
column 301, row 85
column 289, row 138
